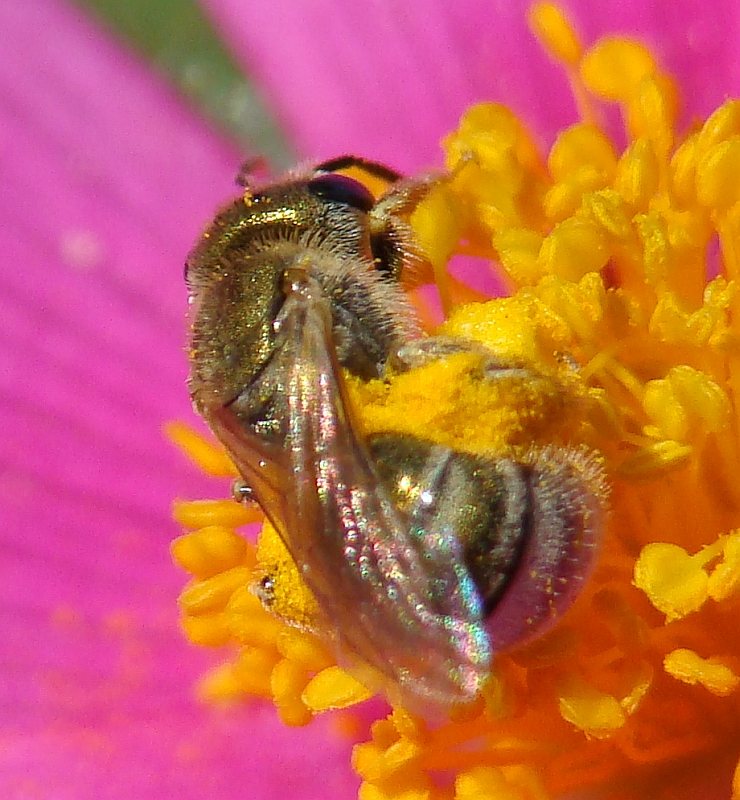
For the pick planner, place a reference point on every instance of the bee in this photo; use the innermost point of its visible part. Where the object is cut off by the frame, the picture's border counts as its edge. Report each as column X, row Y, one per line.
column 424, row 560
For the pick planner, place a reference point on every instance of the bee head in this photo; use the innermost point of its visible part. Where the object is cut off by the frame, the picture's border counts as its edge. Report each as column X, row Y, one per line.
column 235, row 277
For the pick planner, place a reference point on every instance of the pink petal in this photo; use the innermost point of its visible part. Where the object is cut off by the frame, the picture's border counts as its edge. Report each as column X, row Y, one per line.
column 389, row 79
column 106, row 182
column 694, row 40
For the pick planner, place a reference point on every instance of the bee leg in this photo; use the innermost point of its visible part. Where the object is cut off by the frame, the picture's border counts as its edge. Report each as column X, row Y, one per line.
column 423, row 351
column 242, row 492
column 404, row 195
column 419, row 352
column 265, row 591
column 494, row 370
column 392, row 239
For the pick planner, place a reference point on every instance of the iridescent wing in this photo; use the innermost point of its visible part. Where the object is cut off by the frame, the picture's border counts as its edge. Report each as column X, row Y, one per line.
column 394, row 590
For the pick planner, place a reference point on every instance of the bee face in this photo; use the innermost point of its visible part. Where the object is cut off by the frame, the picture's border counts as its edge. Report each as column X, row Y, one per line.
column 422, row 559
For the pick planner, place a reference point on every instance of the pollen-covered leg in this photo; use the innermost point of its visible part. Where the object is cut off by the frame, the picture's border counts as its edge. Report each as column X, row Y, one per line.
column 419, row 352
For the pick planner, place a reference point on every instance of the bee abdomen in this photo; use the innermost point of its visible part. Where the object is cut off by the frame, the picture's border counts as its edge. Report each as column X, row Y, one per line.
column 485, row 501
column 567, row 494
column 527, row 529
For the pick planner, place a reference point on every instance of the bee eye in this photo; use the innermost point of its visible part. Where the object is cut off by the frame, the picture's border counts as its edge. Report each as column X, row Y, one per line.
column 341, row 189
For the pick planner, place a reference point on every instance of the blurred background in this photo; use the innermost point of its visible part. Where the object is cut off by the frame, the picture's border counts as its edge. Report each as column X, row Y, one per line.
column 179, row 41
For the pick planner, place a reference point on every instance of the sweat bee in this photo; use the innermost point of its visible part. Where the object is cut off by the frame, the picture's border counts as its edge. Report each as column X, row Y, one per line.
column 424, row 560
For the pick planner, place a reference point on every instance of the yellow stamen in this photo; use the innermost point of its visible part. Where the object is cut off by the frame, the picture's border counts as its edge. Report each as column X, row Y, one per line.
column 202, row 513
column 687, row 666
column 204, row 453
column 675, row 582
column 333, row 688
column 559, row 38
column 615, row 67
column 556, row 34
column 212, row 594
column 209, row 551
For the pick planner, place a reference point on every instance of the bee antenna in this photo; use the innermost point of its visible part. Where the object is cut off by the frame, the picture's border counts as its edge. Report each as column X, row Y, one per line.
column 374, row 168
column 249, row 169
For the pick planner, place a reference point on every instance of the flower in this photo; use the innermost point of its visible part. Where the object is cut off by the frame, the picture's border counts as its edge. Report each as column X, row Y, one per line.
column 611, row 260
column 106, row 180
